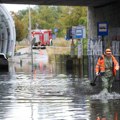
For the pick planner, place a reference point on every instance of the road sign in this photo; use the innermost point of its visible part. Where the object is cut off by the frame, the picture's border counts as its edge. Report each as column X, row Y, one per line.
column 78, row 32
column 73, row 31
column 102, row 28
column 55, row 30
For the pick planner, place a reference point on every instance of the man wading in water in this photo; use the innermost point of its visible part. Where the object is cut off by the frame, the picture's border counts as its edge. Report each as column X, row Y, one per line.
column 107, row 66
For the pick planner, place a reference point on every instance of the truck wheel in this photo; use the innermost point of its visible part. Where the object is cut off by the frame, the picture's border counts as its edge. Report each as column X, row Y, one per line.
column 43, row 47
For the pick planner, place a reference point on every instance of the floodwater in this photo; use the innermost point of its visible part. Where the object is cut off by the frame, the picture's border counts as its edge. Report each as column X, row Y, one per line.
column 47, row 91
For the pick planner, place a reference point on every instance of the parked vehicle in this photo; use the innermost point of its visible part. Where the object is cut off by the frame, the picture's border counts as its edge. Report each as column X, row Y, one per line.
column 41, row 38
column 4, row 64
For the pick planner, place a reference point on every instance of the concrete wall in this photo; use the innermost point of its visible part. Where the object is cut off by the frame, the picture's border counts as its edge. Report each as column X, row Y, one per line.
column 108, row 13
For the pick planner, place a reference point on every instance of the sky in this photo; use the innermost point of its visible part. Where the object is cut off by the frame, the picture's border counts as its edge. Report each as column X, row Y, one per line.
column 16, row 7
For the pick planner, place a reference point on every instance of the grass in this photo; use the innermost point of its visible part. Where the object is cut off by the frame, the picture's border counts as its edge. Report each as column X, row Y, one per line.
column 60, row 46
column 23, row 44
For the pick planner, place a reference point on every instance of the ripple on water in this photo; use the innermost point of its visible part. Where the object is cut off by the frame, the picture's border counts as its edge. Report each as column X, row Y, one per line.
column 105, row 95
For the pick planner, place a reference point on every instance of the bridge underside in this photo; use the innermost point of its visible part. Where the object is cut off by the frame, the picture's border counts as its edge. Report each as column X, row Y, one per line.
column 61, row 2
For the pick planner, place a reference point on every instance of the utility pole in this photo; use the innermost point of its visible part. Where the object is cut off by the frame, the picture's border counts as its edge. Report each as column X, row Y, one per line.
column 30, row 37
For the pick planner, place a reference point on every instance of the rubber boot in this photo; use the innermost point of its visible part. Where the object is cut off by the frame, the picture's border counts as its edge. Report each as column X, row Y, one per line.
column 109, row 89
column 105, row 90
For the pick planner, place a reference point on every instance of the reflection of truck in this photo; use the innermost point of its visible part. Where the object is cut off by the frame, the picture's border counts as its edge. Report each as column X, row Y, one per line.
column 41, row 38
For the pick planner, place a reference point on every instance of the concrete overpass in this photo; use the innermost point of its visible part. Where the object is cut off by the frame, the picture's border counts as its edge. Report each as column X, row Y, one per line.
column 98, row 11
column 61, row 2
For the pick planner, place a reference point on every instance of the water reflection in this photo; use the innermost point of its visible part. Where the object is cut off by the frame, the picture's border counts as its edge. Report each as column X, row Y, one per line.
column 109, row 109
column 50, row 92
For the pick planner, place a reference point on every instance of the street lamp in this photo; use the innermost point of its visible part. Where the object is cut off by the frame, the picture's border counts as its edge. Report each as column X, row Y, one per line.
column 30, row 37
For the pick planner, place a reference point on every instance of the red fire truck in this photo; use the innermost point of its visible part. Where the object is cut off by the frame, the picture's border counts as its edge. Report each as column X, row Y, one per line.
column 41, row 38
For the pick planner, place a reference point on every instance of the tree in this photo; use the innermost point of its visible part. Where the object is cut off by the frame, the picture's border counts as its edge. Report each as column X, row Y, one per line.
column 50, row 17
column 19, row 26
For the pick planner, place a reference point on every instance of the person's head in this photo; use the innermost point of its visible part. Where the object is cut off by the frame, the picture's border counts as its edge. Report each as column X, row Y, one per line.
column 108, row 52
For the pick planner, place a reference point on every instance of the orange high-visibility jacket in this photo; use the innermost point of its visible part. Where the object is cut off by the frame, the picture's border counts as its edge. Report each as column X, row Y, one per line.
column 100, row 66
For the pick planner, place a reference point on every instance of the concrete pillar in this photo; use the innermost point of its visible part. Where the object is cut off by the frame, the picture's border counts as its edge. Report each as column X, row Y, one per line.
column 104, row 13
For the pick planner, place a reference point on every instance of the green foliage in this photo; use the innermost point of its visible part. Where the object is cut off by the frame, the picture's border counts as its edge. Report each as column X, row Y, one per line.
column 19, row 26
column 50, row 17
column 85, row 46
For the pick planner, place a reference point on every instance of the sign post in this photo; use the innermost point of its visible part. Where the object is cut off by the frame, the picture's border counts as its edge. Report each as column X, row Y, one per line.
column 30, row 37
column 102, row 30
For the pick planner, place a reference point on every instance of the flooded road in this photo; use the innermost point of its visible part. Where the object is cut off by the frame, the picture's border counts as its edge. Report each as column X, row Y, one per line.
column 50, row 92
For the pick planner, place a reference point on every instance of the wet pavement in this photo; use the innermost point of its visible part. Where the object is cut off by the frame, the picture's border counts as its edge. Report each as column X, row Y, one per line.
column 50, row 92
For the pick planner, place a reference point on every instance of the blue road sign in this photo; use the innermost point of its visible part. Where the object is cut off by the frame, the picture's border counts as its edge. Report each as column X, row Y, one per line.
column 79, row 33
column 102, row 28
column 55, row 30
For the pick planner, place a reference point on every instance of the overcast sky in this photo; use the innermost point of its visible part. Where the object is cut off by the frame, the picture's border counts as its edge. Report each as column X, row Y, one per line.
column 16, row 7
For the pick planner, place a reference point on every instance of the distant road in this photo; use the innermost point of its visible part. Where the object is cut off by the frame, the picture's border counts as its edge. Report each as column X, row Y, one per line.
column 24, row 54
